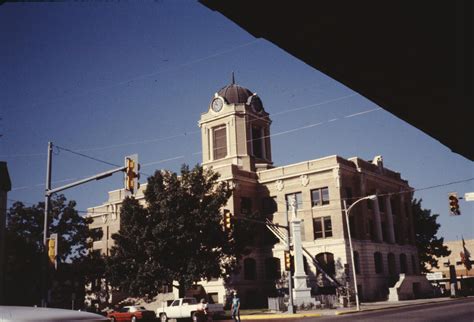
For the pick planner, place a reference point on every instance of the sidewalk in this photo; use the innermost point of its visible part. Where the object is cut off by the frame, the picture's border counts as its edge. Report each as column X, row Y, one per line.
column 342, row 310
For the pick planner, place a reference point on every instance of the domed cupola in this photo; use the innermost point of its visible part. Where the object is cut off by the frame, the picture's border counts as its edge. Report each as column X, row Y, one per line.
column 236, row 94
column 236, row 130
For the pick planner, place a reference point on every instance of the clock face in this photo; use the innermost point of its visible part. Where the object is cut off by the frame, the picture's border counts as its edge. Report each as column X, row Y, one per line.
column 217, row 104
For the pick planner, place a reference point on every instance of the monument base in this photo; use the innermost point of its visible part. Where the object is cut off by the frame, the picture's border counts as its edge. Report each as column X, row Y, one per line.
column 301, row 292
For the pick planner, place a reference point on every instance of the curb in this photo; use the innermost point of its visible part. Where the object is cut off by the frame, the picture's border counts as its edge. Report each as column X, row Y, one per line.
column 279, row 316
column 389, row 307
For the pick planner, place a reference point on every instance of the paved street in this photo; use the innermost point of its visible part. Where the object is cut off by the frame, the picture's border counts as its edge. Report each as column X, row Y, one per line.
column 453, row 310
column 459, row 310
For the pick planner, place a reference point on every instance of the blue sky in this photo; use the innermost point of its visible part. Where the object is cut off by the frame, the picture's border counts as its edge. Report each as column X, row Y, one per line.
column 114, row 79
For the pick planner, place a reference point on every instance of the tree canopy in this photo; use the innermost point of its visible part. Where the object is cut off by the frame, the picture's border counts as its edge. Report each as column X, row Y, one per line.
column 176, row 236
column 24, row 245
column 428, row 244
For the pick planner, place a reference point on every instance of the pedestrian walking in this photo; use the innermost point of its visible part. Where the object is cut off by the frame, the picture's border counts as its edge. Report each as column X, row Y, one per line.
column 235, row 308
column 202, row 313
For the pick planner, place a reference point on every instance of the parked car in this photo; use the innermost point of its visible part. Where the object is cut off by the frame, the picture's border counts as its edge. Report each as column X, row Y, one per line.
column 186, row 308
column 131, row 313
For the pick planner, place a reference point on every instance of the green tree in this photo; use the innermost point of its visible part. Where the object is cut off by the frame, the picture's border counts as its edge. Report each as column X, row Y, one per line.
column 24, row 245
column 178, row 236
column 428, row 244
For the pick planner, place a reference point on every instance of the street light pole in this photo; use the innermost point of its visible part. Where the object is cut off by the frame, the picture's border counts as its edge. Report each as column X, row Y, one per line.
column 354, row 275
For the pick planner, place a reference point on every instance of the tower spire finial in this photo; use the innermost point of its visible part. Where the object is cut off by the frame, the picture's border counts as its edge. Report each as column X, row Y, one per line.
column 233, row 78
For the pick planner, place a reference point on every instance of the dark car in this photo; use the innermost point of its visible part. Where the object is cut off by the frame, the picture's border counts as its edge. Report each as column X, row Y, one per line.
column 132, row 313
column 34, row 314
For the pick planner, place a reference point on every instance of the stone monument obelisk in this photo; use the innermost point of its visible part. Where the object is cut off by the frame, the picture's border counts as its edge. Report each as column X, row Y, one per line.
column 301, row 291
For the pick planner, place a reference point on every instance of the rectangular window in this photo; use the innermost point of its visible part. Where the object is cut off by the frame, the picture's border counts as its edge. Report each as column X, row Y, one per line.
column 381, row 204
column 299, row 200
column 97, row 233
column 322, row 227
column 219, row 136
column 213, row 298
column 266, row 142
column 370, row 225
column 320, row 197
column 245, row 205
column 370, row 202
column 384, row 232
column 257, row 142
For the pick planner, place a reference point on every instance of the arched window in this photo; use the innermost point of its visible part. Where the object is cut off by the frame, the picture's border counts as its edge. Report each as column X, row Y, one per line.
column 391, row 264
column 378, row 263
column 272, row 268
column 250, row 269
column 326, row 260
column 357, row 262
column 403, row 263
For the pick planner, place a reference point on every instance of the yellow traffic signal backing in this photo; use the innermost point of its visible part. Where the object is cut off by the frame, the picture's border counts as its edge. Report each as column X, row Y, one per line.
column 132, row 173
column 227, row 220
column 287, row 260
column 53, row 249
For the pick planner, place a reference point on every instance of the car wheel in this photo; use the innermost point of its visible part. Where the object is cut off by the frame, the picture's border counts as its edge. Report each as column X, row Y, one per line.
column 134, row 319
column 163, row 317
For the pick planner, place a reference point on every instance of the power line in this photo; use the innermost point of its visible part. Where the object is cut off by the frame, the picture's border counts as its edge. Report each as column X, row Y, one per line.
column 310, row 202
column 200, row 152
column 187, row 133
column 144, row 76
column 86, row 156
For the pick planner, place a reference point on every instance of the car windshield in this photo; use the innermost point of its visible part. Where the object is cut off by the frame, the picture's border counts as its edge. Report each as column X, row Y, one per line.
column 137, row 308
column 189, row 301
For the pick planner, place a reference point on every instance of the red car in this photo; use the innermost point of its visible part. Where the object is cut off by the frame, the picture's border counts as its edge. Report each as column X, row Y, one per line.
column 132, row 313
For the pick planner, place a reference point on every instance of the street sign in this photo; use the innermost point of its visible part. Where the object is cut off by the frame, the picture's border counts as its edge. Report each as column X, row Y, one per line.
column 469, row 196
column 434, row 276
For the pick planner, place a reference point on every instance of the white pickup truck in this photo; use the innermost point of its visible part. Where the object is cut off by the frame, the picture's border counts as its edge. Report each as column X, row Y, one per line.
column 186, row 308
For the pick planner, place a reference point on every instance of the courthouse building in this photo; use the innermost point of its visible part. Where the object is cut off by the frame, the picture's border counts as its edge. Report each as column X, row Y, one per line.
column 236, row 142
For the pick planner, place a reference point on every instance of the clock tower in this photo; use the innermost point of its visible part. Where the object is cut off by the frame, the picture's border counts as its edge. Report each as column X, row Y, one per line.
column 236, row 130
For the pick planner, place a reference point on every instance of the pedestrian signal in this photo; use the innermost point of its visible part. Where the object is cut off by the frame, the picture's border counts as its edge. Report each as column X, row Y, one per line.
column 454, row 204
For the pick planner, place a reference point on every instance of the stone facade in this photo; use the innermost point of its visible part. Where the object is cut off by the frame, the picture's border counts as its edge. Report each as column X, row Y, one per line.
column 236, row 143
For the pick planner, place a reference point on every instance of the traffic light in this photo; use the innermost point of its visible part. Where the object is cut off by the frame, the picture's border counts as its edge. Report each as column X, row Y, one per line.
column 454, row 204
column 132, row 173
column 227, row 220
column 346, row 271
column 287, row 260
column 53, row 249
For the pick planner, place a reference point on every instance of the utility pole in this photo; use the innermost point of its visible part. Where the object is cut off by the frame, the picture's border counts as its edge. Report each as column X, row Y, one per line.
column 131, row 178
column 5, row 186
column 47, row 197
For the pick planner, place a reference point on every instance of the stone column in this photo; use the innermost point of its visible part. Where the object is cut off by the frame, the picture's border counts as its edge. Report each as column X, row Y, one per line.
column 363, row 218
column 377, row 220
column 388, row 214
